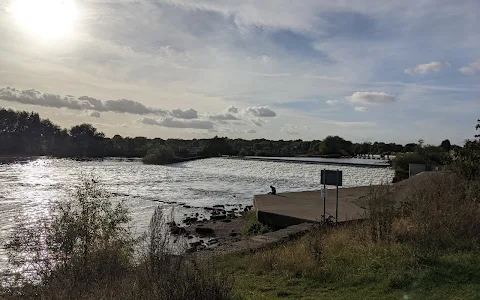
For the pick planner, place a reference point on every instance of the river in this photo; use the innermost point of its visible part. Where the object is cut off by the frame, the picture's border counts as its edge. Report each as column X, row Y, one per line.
column 28, row 186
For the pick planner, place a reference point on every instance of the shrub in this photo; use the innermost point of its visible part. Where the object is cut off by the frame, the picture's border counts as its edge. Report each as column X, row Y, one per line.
column 159, row 156
column 401, row 162
column 443, row 212
column 253, row 227
column 163, row 275
column 86, row 241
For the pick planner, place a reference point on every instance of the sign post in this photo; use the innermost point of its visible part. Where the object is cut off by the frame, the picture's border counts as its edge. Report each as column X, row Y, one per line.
column 336, row 205
column 330, row 177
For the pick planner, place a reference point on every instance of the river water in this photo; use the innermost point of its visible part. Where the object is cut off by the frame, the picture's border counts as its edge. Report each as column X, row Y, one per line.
column 29, row 186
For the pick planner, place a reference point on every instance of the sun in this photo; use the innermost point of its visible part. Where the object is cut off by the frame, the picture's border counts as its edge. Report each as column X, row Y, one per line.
column 48, row 18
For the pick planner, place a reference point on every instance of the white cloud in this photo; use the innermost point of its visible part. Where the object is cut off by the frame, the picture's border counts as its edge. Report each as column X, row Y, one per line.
column 94, row 114
column 258, row 122
column 290, row 129
column 332, row 102
column 260, row 111
column 251, row 131
column 224, row 117
column 467, row 70
column 361, row 108
column 352, row 124
column 370, row 98
column 178, row 123
column 184, row 114
column 434, row 66
column 232, row 109
column 471, row 69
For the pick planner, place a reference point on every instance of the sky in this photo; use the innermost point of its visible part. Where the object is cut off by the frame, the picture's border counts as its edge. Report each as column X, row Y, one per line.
column 370, row 70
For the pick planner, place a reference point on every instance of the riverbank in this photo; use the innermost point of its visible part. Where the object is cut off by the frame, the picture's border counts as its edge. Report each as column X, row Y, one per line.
column 404, row 250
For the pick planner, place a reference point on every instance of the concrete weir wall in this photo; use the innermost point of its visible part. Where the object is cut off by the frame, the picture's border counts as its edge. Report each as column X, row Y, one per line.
column 286, row 209
column 277, row 220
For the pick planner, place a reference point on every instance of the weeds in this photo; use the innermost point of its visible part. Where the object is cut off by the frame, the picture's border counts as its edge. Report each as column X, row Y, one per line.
column 253, row 227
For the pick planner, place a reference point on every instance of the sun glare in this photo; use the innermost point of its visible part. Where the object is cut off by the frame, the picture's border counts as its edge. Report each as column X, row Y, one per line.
column 48, row 18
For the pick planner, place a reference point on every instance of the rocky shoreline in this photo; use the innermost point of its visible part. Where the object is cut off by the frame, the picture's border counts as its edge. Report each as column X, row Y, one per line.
column 218, row 225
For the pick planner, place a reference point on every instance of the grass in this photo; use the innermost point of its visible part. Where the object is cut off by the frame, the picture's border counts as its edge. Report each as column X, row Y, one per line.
column 351, row 269
column 426, row 247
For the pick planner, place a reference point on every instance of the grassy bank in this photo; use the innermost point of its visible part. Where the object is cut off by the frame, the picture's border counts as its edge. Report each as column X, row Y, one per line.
column 342, row 264
column 423, row 247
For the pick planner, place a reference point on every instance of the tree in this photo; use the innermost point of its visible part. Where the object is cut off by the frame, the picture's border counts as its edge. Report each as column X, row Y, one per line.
column 335, row 145
column 446, row 145
column 467, row 159
column 87, row 141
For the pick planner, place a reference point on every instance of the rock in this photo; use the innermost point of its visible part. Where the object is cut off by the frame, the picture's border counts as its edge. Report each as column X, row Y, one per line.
column 190, row 237
column 218, row 217
column 219, row 207
column 187, row 206
column 226, row 221
column 191, row 220
column 204, row 230
column 207, row 208
column 201, row 247
column 197, row 214
column 205, row 220
column 195, row 244
column 212, row 241
column 233, row 234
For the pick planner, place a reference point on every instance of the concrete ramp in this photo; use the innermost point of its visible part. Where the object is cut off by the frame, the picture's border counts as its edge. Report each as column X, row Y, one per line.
column 287, row 209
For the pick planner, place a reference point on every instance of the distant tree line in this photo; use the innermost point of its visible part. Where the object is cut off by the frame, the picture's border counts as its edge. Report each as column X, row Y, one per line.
column 25, row 133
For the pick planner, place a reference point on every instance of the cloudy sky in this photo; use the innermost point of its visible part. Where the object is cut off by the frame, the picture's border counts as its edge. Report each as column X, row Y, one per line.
column 393, row 71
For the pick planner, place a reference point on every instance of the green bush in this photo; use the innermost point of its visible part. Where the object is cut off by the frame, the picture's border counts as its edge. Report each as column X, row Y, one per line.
column 401, row 162
column 159, row 156
column 253, row 227
column 86, row 239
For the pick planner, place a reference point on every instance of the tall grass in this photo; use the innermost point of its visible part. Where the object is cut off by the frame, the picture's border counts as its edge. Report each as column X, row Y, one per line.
column 443, row 212
column 402, row 245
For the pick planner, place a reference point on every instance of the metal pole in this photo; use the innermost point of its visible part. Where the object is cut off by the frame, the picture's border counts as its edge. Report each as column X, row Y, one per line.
column 336, row 206
column 324, row 173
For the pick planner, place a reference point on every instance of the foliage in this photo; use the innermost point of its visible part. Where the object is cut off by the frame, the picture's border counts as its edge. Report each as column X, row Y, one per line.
column 86, row 240
column 159, row 156
column 25, row 133
column 446, row 145
column 423, row 247
column 441, row 212
column 467, row 159
column 402, row 161
column 335, row 145
column 253, row 227
column 85, row 252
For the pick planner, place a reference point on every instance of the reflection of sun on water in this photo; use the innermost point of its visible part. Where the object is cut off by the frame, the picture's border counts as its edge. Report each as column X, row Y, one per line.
column 48, row 18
